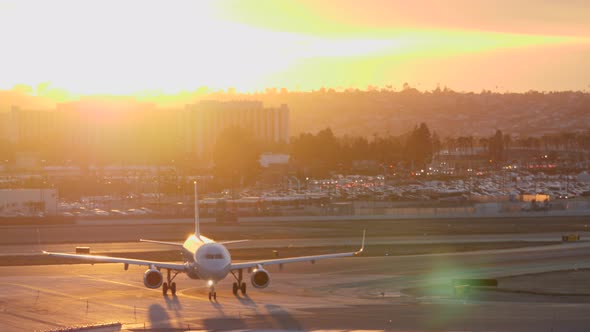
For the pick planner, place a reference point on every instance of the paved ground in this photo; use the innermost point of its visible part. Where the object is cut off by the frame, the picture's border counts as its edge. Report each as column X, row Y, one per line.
column 135, row 246
column 351, row 293
column 55, row 234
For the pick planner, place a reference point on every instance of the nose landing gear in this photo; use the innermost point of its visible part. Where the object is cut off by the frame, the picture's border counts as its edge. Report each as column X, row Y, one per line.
column 212, row 293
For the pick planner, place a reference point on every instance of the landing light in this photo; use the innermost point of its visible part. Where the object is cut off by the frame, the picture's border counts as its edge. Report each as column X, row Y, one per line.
column 210, row 283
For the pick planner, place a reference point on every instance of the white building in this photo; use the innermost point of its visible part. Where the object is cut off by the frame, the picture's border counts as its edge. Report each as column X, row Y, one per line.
column 28, row 202
column 204, row 121
column 268, row 159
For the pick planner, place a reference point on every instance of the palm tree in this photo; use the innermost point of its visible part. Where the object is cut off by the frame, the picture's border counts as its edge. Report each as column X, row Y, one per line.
column 450, row 143
column 484, row 143
column 507, row 141
column 462, row 143
column 470, row 143
column 546, row 139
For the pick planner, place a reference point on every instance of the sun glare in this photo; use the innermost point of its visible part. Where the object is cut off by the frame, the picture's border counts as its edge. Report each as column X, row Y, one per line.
column 131, row 47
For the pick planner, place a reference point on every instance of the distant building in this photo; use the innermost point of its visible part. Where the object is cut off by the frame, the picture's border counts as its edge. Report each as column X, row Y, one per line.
column 28, row 202
column 28, row 126
column 365, row 165
column 121, row 129
column 275, row 167
column 269, row 159
column 204, row 121
column 455, row 162
column 100, row 123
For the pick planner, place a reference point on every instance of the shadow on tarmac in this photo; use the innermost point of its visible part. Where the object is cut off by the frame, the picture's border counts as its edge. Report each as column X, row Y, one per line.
column 173, row 303
column 158, row 317
column 283, row 318
column 224, row 324
column 246, row 300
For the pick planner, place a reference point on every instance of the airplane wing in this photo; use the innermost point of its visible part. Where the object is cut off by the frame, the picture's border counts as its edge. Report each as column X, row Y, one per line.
column 127, row 261
column 177, row 244
column 247, row 265
column 232, row 241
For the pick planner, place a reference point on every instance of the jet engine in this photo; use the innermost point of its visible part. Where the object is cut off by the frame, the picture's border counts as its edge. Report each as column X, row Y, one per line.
column 260, row 278
column 152, row 278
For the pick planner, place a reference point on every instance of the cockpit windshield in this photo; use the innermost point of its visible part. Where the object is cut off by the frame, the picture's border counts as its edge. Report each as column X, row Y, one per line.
column 214, row 256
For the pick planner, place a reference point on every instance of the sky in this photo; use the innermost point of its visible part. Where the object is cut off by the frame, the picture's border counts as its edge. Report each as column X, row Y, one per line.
column 138, row 47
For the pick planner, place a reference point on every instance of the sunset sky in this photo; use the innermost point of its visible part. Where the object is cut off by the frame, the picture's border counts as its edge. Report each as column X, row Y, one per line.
column 127, row 47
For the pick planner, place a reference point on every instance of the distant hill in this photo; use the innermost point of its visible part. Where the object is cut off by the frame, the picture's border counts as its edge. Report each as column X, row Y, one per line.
column 447, row 112
column 383, row 111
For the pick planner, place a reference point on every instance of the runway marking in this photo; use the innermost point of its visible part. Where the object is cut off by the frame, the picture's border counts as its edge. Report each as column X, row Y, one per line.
column 140, row 287
column 14, row 314
column 221, row 308
column 56, row 293
column 181, row 292
column 113, row 282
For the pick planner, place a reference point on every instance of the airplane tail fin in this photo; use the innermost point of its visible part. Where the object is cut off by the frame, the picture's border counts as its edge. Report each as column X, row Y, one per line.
column 360, row 251
column 197, row 231
column 363, row 242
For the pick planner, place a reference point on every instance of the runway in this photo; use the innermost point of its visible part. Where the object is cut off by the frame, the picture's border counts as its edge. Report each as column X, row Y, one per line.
column 400, row 229
column 350, row 293
column 136, row 246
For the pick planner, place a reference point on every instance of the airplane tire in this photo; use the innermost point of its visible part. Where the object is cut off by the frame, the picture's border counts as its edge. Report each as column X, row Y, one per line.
column 165, row 288
column 235, row 288
column 214, row 295
column 173, row 288
column 209, row 296
column 243, row 288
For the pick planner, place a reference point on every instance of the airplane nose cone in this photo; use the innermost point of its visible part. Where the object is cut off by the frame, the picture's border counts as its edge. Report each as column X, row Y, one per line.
column 213, row 261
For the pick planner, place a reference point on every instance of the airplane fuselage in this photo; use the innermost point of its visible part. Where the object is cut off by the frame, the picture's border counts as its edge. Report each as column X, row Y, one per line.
column 207, row 259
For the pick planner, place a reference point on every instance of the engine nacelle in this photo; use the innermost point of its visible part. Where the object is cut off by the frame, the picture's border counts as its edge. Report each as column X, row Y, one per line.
column 152, row 278
column 260, row 278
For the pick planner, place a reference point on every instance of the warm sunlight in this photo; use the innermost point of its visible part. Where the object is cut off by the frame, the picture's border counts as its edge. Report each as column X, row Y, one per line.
column 294, row 165
column 132, row 47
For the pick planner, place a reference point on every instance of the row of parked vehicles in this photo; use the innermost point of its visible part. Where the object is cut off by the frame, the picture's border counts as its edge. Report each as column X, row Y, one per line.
column 89, row 212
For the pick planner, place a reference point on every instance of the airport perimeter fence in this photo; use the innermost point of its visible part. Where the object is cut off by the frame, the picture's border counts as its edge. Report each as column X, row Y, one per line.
column 580, row 207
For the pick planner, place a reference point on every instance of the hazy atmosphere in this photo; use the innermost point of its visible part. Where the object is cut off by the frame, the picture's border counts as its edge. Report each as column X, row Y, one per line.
column 132, row 47
column 245, row 165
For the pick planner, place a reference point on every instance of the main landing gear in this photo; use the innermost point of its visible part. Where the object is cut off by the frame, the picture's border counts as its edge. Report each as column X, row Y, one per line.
column 169, row 285
column 239, row 285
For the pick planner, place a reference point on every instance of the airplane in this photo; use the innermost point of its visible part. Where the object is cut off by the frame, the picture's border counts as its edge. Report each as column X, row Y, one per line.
column 204, row 259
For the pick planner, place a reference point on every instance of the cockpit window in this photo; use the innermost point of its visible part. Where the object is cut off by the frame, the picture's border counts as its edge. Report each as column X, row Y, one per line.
column 213, row 256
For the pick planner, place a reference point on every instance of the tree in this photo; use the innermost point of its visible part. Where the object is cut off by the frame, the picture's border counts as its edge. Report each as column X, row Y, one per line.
column 419, row 146
column 236, row 156
column 484, row 143
column 496, row 146
column 436, row 143
column 385, row 149
column 319, row 152
column 507, row 140
column 328, row 147
column 451, row 144
column 470, row 141
column 463, row 143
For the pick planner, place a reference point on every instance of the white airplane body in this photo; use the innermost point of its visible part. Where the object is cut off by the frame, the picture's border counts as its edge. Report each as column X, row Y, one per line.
column 204, row 259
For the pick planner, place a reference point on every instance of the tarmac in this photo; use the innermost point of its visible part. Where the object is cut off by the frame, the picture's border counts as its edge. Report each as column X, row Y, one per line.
column 136, row 246
column 113, row 231
column 369, row 293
